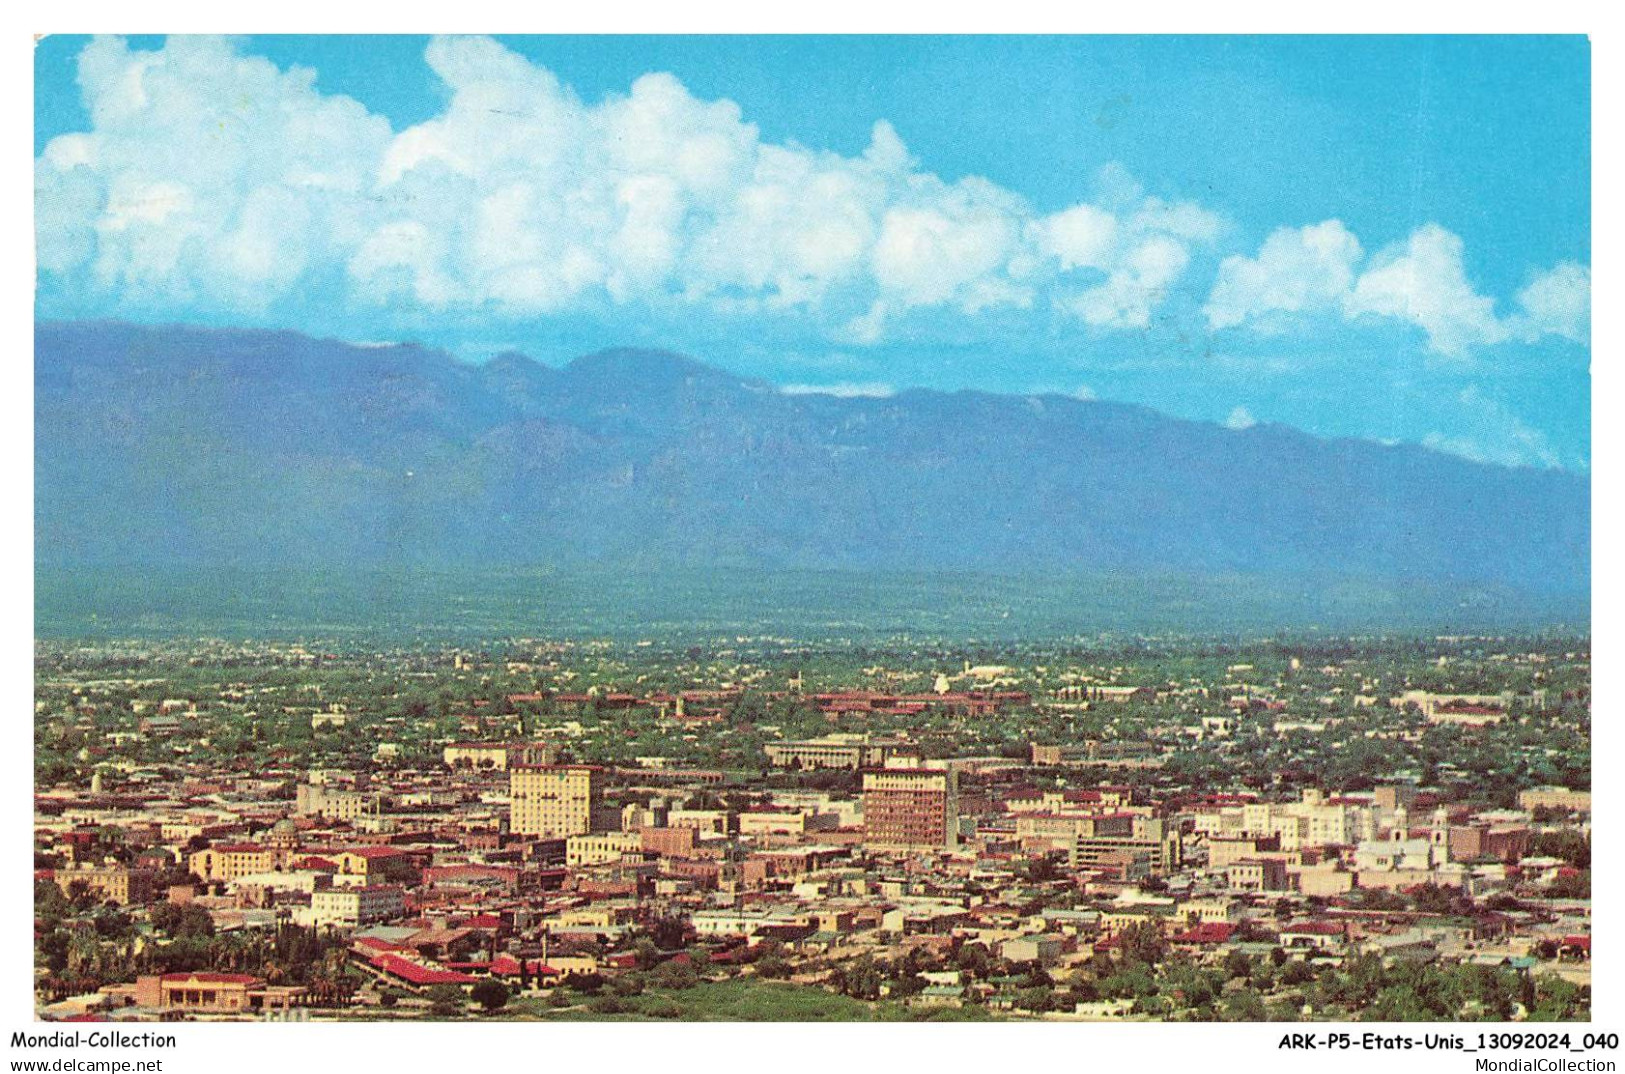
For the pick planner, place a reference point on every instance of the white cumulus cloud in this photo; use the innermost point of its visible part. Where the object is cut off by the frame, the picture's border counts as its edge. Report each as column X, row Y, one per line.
column 210, row 180
column 208, row 177
column 1135, row 286
column 1423, row 281
column 1558, row 302
column 213, row 179
column 1296, row 270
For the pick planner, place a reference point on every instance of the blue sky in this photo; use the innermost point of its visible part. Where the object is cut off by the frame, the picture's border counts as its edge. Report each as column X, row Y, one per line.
column 1377, row 237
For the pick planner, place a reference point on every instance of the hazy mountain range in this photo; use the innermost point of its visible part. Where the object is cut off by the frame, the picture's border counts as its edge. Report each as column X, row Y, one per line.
column 201, row 449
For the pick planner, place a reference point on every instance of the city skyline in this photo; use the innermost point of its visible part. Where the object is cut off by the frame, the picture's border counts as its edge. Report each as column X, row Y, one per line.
column 814, row 529
column 1299, row 829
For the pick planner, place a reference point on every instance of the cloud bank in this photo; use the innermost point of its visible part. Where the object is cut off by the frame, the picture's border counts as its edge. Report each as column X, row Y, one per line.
column 213, row 184
column 1421, row 281
column 211, row 179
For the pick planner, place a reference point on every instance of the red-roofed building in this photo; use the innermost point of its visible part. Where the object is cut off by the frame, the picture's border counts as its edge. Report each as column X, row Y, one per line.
column 366, row 946
column 1206, row 934
column 1577, row 948
column 506, row 966
column 416, row 975
column 1314, row 936
column 312, row 863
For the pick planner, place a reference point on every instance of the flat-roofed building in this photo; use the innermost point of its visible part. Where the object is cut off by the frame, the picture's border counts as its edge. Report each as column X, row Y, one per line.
column 1503, row 842
column 1257, row 874
column 213, row 993
column 1150, row 843
column 352, row 907
column 228, row 861
column 831, row 751
column 552, row 801
column 316, row 800
column 1065, row 828
column 499, row 756
column 667, row 842
column 1119, row 694
column 703, row 821
column 111, row 883
column 911, row 808
column 1555, row 798
column 1222, row 850
column 1043, row 949
column 361, row 866
column 785, row 822
column 601, row 848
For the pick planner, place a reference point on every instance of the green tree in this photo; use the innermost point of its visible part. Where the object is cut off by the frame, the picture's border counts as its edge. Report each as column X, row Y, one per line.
column 1143, row 942
column 1245, row 1006
column 673, row 975
column 772, row 967
column 669, row 932
column 861, row 978
column 1557, row 1000
column 447, row 1001
column 974, row 959
column 608, row 1004
column 49, row 902
column 1035, row 999
column 490, row 994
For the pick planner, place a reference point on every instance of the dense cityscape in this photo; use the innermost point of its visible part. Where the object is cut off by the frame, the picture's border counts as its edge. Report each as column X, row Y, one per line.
column 812, row 520
column 1163, row 829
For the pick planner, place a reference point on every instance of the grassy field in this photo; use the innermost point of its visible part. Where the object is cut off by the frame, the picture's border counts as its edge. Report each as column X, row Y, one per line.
column 378, row 606
column 740, row 1000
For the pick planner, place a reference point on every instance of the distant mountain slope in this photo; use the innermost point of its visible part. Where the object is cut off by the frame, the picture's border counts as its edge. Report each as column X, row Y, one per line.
column 182, row 447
